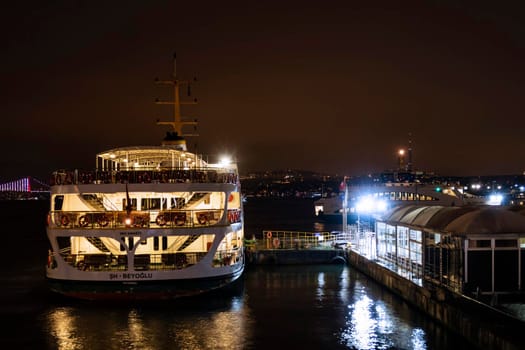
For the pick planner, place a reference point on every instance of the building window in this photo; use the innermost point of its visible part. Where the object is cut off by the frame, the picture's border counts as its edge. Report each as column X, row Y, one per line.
column 479, row 243
column 506, row 243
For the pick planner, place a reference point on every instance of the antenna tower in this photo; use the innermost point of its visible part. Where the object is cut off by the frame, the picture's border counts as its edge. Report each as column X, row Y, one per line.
column 177, row 136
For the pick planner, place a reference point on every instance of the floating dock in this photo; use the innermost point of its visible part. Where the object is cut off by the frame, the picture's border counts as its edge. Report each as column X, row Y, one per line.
column 293, row 248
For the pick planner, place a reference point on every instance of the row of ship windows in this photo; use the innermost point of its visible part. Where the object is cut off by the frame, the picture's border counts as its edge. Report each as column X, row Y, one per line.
column 404, row 196
column 145, row 203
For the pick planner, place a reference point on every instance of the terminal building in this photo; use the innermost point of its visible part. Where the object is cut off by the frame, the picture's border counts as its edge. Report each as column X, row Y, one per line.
column 475, row 250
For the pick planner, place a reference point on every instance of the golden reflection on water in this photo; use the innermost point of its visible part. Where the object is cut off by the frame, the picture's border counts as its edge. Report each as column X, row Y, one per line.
column 63, row 329
column 149, row 329
column 134, row 335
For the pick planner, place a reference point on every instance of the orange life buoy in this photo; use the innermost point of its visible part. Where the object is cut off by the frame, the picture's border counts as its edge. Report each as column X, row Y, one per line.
column 269, row 234
column 161, row 220
column 276, row 242
column 203, row 219
column 139, row 221
column 83, row 221
column 103, row 221
column 64, row 220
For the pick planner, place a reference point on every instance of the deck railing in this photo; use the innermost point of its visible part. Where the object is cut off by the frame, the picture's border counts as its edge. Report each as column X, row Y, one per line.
column 299, row 240
column 141, row 219
column 200, row 175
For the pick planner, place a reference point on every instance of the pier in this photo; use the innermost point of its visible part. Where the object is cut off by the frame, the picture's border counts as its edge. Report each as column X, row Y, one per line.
column 294, row 247
column 484, row 325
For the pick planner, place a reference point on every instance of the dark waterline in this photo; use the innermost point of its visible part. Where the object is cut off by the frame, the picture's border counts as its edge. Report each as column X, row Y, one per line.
column 281, row 307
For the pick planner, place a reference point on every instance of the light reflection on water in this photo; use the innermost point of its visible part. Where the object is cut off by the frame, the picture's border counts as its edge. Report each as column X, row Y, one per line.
column 175, row 326
column 369, row 325
column 309, row 307
column 276, row 307
column 372, row 324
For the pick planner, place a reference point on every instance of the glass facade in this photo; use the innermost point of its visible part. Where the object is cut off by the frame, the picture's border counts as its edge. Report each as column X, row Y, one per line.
column 400, row 249
column 466, row 263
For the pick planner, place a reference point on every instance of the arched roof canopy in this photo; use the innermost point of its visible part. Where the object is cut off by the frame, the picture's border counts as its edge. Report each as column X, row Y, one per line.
column 489, row 220
column 459, row 220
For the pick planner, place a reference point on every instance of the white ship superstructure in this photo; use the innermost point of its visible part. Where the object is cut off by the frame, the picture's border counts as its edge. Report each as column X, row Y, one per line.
column 147, row 222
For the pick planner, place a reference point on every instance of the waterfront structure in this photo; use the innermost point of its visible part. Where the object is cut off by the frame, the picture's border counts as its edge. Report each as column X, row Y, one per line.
column 150, row 222
column 460, row 265
column 473, row 250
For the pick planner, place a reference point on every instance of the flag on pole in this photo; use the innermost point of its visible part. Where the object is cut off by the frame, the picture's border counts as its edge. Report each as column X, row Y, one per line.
column 342, row 186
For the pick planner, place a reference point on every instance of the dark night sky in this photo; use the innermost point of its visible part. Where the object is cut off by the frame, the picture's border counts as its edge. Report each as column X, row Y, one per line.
column 331, row 86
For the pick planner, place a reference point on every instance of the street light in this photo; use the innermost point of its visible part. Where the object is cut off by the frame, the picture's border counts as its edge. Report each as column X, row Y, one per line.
column 401, row 154
column 368, row 205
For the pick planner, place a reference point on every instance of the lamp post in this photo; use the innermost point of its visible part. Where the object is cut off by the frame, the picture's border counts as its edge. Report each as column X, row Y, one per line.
column 345, row 207
column 401, row 159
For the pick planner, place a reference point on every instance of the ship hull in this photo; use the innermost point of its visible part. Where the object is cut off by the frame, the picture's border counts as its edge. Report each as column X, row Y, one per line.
column 140, row 290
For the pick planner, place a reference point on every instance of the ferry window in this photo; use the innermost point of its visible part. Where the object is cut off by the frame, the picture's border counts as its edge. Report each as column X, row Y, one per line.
column 150, row 203
column 133, row 203
column 155, row 243
column 177, row 203
column 130, row 243
column 164, row 242
column 59, row 201
column 522, row 242
column 122, row 247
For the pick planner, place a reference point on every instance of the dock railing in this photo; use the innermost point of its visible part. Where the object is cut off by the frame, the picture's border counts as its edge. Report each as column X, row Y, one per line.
column 300, row 240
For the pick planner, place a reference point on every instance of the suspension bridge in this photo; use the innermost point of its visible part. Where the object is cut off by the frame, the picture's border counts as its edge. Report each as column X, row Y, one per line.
column 24, row 188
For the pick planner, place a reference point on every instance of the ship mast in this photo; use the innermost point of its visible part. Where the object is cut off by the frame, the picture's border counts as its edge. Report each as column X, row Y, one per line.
column 176, row 137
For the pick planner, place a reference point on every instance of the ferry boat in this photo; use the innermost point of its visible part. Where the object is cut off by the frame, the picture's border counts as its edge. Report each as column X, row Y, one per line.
column 378, row 198
column 149, row 222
